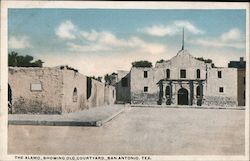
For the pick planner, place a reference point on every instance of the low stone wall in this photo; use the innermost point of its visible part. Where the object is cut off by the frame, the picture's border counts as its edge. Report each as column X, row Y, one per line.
column 145, row 98
column 220, row 101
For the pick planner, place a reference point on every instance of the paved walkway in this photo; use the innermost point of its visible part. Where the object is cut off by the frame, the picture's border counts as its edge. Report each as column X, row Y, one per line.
column 139, row 131
column 189, row 107
column 96, row 116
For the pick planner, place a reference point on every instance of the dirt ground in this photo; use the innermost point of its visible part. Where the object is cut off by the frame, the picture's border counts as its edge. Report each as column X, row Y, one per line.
column 154, row 131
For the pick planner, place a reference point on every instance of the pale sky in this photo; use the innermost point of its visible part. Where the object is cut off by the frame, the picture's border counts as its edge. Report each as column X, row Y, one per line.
column 100, row 41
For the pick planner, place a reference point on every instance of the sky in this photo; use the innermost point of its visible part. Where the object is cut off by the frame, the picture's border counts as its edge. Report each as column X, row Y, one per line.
column 100, row 41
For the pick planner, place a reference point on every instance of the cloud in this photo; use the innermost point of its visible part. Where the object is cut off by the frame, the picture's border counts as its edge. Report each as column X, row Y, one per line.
column 21, row 42
column 233, row 38
column 172, row 29
column 188, row 26
column 66, row 30
column 232, row 35
column 105, row 41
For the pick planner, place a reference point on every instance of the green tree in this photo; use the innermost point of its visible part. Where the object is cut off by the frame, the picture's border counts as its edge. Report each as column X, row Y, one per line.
column 16, row 60
column 142, row 64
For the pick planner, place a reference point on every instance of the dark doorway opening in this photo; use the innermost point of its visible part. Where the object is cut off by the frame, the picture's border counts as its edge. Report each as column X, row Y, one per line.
column 89, row 87
column 9, row 99
column 183, row 96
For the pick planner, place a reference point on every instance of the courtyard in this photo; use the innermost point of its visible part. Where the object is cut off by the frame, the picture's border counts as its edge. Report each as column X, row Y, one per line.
column 139, row 131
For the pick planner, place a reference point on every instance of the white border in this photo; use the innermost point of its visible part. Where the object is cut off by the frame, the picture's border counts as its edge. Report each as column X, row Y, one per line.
column 114, row 5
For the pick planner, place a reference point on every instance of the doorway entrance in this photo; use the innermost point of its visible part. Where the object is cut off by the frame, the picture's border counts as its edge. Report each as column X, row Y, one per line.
column 183, row 96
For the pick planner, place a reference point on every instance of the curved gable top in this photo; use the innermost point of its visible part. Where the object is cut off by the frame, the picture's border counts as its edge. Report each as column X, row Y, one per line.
column 183, row 59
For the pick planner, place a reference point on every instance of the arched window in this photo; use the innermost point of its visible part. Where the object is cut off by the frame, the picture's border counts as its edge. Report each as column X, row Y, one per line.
column 198, row 73
column 167, row 91
column 75, row 95
column 198, row 91
column 168, row 73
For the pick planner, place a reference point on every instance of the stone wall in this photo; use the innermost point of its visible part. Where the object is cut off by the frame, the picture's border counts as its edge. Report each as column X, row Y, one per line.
column 56, row 91
column 74, row 91
column 241, row 81
column 123, row 92
column 109, row 95
column 97, row 94
column 48, row 100
column 138, row 82
column 228, row 82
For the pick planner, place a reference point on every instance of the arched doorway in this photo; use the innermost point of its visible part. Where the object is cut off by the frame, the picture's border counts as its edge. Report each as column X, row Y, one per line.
column 9, row 99
column 183, row 96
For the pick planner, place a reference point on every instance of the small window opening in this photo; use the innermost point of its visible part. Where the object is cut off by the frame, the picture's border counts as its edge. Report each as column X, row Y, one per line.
column 145, row 89
column 145, row 74
column 75, row 95
column 219, row 74
column 198, row 73
column 168, row 73
column 221, row 89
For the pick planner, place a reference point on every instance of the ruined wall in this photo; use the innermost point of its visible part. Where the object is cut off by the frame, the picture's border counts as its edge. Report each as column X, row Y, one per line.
column 241, row 81
column 97, row 94
column 109, row 95
column 48, row 100
column 228, row 82
column 74, row 91
column 123, row 92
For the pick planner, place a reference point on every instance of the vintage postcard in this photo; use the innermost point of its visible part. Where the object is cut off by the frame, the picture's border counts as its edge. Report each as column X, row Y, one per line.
column 104, row 80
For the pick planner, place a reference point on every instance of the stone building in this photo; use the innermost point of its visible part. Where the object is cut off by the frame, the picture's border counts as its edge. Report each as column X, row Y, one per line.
column 55, row 90
column 241, row 79
column 182, row 80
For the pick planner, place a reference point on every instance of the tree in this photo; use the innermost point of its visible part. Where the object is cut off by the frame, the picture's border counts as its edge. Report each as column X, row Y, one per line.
column 206, row 60
column 142, row 64
column 160, row 61
column 16, row 60
column 110, row 79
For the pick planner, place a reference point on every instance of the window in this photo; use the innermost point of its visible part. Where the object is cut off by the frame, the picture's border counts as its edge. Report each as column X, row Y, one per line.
column 145, row 89
column 75, row 95
column 124, row 82
column 183, row 73
column 219, row 74
column 221, row 90
column 198, row 73
column 145, row 74
column 168, row 73
column 36, row 87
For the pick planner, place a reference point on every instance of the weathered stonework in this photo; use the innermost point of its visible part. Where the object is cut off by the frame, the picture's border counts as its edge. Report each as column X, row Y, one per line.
column 62, row 91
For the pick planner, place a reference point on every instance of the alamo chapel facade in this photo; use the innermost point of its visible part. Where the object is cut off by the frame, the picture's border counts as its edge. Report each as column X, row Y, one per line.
column 182, row 80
